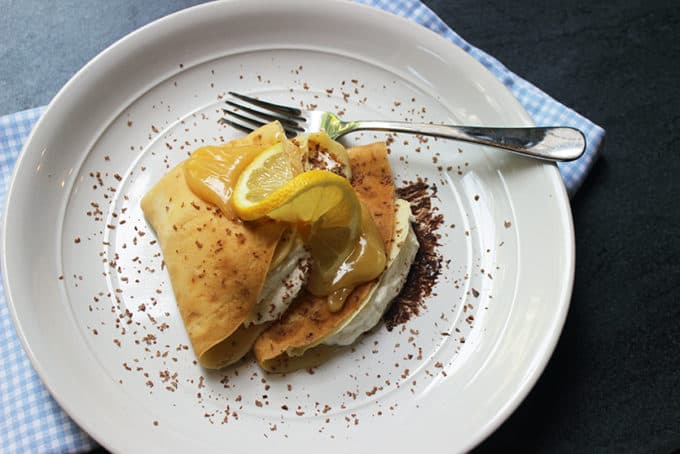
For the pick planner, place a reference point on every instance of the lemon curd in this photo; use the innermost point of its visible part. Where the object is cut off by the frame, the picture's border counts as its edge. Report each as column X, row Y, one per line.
column 320, row 206
column 212, row 171
column 359, row 261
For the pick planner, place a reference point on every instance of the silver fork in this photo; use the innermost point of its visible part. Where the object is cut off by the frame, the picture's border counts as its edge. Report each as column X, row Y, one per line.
column 557, row 143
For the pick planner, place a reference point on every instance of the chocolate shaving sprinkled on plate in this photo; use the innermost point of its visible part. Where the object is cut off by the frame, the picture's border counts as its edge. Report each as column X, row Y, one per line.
column 427, row 265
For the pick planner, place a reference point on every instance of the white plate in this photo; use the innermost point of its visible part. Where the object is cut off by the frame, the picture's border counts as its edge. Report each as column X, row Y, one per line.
column 138, row 108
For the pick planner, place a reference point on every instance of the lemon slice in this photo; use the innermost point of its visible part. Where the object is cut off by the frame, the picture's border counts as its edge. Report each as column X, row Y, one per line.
column 327, row 203
column 322, row 204
column 272, row 185
column 317, row 197
column 323, row 208
column 270, row 170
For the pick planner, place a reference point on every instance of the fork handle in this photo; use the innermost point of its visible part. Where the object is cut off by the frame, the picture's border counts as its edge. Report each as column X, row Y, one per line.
column 549, row 143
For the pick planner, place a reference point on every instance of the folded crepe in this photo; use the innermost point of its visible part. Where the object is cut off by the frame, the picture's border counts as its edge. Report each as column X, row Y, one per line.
column 297, row 339
column 217, row 263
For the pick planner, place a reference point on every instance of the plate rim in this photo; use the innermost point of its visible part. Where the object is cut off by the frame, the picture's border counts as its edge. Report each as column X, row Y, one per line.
column 548, row 345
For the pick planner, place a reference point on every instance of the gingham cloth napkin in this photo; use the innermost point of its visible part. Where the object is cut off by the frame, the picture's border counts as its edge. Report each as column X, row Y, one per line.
column 30, row 419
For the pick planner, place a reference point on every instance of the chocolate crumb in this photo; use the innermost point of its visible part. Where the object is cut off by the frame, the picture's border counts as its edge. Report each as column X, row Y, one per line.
column 427, row 265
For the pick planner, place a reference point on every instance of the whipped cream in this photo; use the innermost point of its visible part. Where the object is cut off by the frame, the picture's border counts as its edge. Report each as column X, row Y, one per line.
column 282, row 285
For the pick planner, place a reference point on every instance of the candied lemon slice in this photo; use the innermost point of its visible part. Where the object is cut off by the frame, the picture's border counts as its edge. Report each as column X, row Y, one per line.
column 327, row 203
column 318, row 198
column 269, row 171
column 324, row 209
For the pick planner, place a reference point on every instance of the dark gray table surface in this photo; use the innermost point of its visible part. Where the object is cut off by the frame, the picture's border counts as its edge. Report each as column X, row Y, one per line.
column 613, row 383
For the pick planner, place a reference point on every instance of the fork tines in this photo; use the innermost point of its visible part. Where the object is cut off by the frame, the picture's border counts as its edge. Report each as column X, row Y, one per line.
column 247, row 118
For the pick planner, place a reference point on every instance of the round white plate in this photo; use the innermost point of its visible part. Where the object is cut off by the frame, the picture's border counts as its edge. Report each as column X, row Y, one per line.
column 92, row 302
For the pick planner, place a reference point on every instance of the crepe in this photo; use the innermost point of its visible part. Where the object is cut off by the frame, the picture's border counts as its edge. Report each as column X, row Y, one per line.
column 216, row 288
column 296, row 339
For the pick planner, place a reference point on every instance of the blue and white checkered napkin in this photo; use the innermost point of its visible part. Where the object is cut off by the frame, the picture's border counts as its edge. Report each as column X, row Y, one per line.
column 30, row 419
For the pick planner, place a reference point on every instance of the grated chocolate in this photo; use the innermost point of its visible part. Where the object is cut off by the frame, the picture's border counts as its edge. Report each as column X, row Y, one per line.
column 427, row 265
